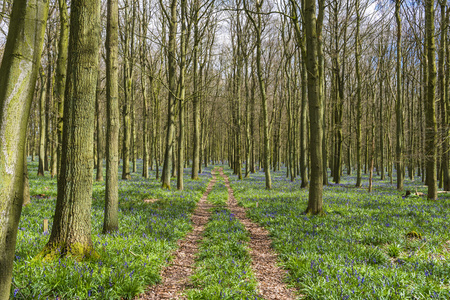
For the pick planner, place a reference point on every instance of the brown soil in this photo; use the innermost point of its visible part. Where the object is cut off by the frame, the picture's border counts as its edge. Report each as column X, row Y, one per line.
column 264, row 261
column 175, row 277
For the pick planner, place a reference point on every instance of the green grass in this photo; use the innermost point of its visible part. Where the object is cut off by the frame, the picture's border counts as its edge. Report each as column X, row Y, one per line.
column 131, row 259
column 361, row 248
column 223, row 265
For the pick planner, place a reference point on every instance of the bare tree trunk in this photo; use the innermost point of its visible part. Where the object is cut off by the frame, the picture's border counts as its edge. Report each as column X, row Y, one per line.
column 399, row 103
column 359, row 100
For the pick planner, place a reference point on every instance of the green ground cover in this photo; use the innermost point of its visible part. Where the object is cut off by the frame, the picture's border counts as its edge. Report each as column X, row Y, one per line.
column 361, row 248
column 223, row 264
column 130, row 259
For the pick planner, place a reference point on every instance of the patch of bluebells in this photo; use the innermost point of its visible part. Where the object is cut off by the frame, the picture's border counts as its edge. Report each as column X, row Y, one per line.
column 130, row 259
column 223, row 264
column 345, row 254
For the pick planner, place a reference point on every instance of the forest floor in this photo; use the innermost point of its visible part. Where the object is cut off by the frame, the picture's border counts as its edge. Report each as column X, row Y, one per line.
column 224, row 238
column 176, row 277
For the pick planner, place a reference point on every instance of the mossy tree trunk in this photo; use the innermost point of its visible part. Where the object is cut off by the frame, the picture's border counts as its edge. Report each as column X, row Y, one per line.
column 430, row 108
column 171, row 61
column 100, row 134
column 41, row 167
column 111, row 221
column 18, row 74
column 128, row 41
column 48, row 99
column 61, row 70
column 196, row 96
column 315, row 109
column 181, row 97
column 321, row 61
column 26, row 184
column 142, row 57
column 443, row 88
column 71, row 231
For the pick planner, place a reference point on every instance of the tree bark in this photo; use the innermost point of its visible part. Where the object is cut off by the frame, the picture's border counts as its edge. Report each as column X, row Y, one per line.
column 18, row 73
column 100, row 137
column 359, row 100
column 315, row 109
column 111, row 222
column 171, row 61
column 61, row 70
column 41, row 166
column 431, row 127
column 181, row 100
column 399, row 102
column 443, row 88
column 71, row 231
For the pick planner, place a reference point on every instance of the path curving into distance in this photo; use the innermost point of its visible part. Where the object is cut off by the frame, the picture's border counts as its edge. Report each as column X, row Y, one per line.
column 270, row 276
column 175, row 277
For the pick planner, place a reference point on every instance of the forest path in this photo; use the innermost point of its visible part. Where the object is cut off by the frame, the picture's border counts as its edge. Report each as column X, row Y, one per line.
column 270, row 277
column 175, row 277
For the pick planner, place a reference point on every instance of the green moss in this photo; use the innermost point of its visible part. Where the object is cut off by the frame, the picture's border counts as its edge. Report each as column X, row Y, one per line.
column 78, row 251
column 413, row 235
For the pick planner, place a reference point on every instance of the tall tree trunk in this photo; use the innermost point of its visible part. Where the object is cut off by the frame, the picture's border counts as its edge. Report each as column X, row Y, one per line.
column 41, row 166
column 262, row 87
column 181, row 100
column 321, row 66
column 399, row 102
column 128, row 86
column 443, row 88
column 111, row 222
column 142, row 56
column 196, row 98
column 381, row 117
column 61, row 70
column 431, row 127
column 171, row 61
column 133, row 131
column 301, row 42
column 71, row 231
column 359, row 100
column 19, row 68
column 315, row 108
column 48, row 100
column 99, row 175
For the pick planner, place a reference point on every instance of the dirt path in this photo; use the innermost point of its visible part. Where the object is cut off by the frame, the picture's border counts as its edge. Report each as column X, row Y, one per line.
column 264, row 260
column 175, row 277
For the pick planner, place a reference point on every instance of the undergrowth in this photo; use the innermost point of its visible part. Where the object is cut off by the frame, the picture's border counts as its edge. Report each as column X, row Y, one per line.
column 130, row 259
column 363, row 248
column 223, row 264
